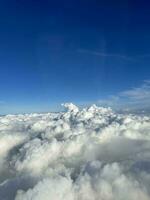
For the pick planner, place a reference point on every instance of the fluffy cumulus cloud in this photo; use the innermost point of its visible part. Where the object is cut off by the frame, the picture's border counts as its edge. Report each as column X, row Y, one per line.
column 80, row 154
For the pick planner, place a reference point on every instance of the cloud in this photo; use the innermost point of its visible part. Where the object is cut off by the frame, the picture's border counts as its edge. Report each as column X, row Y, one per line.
column 101, row 54
column 139, row 93
column 136, row 58
column 80, row 154
column 59, row 188
column 135, row 99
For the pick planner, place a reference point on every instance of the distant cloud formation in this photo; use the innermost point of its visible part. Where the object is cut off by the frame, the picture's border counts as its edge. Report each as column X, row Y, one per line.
column 80, row 154
column 134, row 99
column 138, row 93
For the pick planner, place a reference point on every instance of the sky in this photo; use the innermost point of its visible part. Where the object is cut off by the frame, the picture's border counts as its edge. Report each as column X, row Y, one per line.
column 72, row 51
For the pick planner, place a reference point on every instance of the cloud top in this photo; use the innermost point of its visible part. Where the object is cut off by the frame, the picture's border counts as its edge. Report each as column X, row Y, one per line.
column 81, row 154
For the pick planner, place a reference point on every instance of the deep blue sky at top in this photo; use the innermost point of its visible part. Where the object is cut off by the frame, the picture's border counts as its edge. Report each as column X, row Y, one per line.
column 79, row 51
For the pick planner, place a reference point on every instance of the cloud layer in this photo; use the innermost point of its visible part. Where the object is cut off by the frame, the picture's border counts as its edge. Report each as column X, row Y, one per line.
column 88, row 154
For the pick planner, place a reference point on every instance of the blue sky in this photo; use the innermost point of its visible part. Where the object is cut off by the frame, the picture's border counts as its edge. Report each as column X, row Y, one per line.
column 71, row 51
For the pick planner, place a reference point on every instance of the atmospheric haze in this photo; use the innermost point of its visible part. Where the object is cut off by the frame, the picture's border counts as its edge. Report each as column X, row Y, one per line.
column 82, row 154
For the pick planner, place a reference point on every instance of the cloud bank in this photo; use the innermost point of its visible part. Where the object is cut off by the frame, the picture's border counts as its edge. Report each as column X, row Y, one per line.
column 81, row 154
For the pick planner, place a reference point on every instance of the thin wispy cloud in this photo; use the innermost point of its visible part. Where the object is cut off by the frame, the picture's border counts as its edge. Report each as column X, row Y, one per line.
column 101, row 54
column 135, row 98
column 120, row 56
column 138, row 93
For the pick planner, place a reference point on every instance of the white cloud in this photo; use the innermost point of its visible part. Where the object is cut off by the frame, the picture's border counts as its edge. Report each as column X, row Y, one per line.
column 86, row 154
column 139, row 93
column 59, row 188
column 132, row 100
